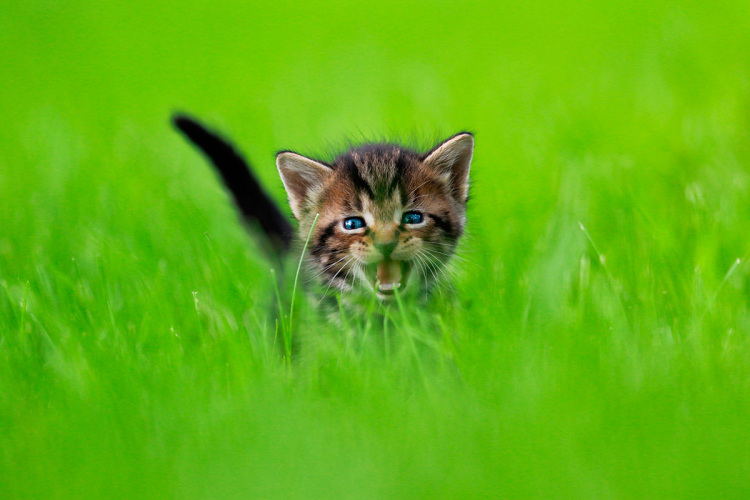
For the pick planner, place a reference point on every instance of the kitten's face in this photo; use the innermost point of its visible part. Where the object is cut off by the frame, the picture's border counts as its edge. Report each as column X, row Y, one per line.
column 389, row 218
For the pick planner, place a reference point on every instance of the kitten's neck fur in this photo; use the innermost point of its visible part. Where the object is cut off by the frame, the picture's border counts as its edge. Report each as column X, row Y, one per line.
column 388, row 218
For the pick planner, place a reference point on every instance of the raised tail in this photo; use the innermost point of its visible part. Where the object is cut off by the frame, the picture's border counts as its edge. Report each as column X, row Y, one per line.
column 255, row 206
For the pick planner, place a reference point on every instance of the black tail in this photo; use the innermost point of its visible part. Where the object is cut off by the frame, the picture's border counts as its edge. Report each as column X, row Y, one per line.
column 256, row 207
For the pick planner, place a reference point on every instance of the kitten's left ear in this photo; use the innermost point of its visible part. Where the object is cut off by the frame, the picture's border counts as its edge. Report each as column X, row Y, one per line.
column 452, row 161
column 301, row 176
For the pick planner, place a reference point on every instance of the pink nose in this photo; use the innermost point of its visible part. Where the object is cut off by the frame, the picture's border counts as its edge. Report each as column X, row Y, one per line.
column 385, row 241
column 386, row 248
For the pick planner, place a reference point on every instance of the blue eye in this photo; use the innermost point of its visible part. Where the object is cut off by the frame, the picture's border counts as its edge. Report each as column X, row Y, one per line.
column 351, row 223
column 412, row 218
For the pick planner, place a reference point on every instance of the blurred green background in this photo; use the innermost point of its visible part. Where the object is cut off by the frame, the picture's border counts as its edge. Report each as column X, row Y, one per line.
column 598, row 345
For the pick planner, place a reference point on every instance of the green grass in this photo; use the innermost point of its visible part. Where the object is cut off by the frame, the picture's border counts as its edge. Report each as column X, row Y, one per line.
column 599, row 343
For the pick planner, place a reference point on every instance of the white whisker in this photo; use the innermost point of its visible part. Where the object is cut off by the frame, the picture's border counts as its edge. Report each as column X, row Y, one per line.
column 330, row 282
column 429, row 267
column 454, row 256
column 413, row 190
column 442, row 271
column 326, row 269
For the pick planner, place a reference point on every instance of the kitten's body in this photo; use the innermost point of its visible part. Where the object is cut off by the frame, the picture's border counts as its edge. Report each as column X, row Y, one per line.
column 388, row 218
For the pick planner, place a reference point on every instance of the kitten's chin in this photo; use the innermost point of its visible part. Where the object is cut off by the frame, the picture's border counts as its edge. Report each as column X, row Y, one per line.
column 390, row 275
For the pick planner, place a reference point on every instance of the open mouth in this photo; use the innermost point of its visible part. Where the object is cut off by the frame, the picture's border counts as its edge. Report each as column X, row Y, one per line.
column 391, row 275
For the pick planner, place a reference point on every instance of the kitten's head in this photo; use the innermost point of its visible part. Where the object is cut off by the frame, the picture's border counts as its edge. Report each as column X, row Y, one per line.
column 386, row 212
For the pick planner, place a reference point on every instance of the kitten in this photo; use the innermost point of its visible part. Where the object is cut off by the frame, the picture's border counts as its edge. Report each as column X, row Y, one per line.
column 380, row 218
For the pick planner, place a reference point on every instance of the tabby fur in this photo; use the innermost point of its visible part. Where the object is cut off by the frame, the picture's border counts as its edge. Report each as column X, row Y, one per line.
column 377, row 184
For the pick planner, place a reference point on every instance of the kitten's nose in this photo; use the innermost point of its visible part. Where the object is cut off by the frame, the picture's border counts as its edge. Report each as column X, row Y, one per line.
column 385, row 239
column 386, row 248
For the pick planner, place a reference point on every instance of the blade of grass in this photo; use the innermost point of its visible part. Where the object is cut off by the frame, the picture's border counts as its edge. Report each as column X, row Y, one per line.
column 299, row 267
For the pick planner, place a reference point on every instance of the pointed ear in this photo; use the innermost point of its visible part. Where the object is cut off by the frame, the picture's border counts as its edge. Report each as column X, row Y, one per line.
column 452, row 161
column 300, row 175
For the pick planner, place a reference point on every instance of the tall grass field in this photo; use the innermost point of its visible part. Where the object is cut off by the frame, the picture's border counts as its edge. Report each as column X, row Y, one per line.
column 594, row 341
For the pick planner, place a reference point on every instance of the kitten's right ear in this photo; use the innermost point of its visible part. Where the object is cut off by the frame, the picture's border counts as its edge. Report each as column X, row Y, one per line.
column 300, row 175
column 452, row 161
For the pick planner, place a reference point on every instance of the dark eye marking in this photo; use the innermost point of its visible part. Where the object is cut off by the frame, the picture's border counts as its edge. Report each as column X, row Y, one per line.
column 442, row 223
column 352, row 223
column 326, row 233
